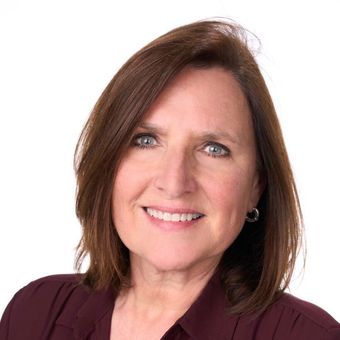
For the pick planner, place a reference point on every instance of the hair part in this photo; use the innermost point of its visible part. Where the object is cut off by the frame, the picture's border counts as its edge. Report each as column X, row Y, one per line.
column 258, row 266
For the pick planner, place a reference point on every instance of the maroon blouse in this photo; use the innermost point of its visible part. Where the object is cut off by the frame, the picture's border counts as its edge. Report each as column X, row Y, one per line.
column 59, row 308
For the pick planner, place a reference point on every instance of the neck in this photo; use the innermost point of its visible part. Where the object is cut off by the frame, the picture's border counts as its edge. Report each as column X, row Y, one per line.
column 157, row 292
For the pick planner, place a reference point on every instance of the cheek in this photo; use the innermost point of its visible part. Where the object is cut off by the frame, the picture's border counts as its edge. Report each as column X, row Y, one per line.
column 228, row 191
column 228, row 202
column 123, row 193
column 122, row 200
column 228, row 198
column 129, row 182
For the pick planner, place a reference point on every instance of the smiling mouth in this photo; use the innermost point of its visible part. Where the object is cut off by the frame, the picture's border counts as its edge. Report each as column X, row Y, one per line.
column 172, row 217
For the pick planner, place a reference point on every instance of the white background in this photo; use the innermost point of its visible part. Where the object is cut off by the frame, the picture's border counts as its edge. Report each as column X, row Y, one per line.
column 57, row 56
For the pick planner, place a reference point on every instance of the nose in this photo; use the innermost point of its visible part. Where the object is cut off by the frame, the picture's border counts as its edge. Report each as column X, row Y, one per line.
column 175, row 174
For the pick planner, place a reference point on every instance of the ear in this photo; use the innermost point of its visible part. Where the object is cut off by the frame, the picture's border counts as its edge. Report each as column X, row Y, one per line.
column 257, row 189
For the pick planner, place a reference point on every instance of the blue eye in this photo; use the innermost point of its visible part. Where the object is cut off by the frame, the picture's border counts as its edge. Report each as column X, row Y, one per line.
column 144, row 141
column 216, row 150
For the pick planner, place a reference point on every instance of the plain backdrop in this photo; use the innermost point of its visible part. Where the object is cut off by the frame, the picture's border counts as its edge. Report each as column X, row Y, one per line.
column 56, row 58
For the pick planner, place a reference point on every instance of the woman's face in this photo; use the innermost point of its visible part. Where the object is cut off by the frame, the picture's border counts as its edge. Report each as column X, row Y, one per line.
column 189, row 177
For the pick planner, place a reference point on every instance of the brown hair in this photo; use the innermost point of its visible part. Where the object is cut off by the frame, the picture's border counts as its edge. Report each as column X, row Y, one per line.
column 258, row 266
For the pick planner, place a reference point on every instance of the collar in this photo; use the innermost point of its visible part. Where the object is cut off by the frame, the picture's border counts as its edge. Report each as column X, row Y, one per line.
column 88, row 308
column 208, row 318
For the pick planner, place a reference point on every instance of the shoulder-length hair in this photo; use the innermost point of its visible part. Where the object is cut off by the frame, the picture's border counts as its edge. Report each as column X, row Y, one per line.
column 258, row 266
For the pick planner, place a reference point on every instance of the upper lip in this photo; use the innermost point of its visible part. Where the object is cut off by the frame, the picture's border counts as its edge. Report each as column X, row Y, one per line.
column 173, row 210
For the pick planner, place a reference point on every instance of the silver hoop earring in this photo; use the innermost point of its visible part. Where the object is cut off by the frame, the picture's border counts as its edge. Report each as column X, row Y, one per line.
column 253, row 215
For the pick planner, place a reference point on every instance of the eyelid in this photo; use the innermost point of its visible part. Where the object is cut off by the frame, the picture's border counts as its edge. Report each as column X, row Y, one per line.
column 223, row 147
column 143, row 134
column 226, row 151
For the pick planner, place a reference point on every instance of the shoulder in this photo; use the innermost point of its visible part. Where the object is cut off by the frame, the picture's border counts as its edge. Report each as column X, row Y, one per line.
column 298, row 319
column 49, row 292
column 59, row 280
column 38, row 305
column 308, row 310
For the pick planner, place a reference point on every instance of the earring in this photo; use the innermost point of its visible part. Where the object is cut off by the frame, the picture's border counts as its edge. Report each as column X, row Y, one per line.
column 253, row 215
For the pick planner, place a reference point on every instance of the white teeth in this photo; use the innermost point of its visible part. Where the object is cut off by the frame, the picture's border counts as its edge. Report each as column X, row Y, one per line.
column 175, row 217
column 183, row 217
column 166, row 216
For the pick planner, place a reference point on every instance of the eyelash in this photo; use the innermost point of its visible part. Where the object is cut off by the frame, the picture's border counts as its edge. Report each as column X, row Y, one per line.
column 225, row 150
column 143, row 146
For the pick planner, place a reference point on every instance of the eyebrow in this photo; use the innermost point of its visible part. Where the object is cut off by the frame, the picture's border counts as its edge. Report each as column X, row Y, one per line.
column 205, row 135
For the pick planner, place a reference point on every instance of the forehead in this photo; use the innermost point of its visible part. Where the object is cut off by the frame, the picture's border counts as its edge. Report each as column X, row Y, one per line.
column 202, row 99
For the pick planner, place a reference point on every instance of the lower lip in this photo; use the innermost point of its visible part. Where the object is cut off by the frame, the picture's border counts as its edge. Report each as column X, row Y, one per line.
column 170, row 225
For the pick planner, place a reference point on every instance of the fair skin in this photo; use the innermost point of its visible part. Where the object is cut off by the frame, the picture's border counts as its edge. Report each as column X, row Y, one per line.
column 180, row 197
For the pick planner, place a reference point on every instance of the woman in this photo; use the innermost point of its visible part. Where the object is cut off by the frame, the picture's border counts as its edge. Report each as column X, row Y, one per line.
column 190, row 215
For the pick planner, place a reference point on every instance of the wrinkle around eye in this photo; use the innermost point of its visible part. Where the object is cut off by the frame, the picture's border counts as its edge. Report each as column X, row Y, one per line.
column 140, row 141
column 223, row 150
